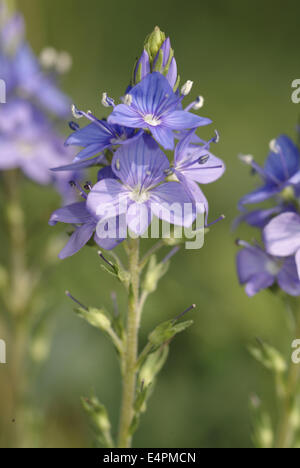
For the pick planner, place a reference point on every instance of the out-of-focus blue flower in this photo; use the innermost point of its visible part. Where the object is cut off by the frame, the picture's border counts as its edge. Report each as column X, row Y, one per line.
column 281, row 169
column 152, row 105
column 141, row 192
column 258, row 270
column 28, row 142
column 282, row 236
column 21, row 70
column 195, row 164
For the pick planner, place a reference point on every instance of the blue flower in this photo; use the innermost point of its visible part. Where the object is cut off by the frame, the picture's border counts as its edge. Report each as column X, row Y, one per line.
column 140, row 192
column 281, row 169
column 95, row 138
column 164, row 63
column 258, row 270
column 83, row 222
column 194, row 164
column 28, row 142
column 22, row 73
column 153, row 106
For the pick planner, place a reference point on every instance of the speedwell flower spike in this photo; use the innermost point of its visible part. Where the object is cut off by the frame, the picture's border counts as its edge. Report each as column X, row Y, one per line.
column 136, row 182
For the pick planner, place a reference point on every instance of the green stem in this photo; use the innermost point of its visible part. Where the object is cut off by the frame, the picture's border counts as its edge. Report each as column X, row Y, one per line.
column 17, row 295
column 285, row 429
column 131, row 350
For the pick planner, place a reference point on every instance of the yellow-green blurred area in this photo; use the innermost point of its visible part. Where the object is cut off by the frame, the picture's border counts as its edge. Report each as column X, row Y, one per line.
column 242, row 57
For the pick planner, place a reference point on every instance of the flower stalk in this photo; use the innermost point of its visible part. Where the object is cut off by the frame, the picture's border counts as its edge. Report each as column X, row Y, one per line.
column 287, row 395
column 129, row 358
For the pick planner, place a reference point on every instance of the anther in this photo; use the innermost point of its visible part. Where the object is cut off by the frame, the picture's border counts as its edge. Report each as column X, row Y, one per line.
column 105, row 259
column 87, row 186
column 74, row 126
column 186, row 88
column 128, row 99
column 273, row 146
column 246, row 158
column 203, row 159
column 198, row 103
column 77, row 114
column 193, row 306
column 107, row 101
column 75, row 300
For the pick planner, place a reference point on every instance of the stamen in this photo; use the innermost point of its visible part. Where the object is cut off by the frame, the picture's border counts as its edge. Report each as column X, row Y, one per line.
column 128, row 99
column 48, row 57
column 105, row 259
column 249, row 160
column 87, row 186
column 171, row 254
column 107, row 101
column 273, row 146
column 184, row 312
column 242, row 243
column 75, row 300
column 186, row 88
column 203, row 159
column 74, row 126
column 198, row 103
column 216, row 221
column 118, row 165
column 78, row 188
column 77, row 114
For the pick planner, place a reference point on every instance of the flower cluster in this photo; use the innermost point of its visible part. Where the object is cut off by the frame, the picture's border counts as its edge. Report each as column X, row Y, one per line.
column 278, row 261
column 28, row 139
column 137, row 180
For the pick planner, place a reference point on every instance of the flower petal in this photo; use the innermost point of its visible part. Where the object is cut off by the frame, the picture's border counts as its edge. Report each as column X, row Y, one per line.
column 282, row 235
column 288, row 278
column 180, row 120
column 127, row 116
column 108, row 198
column 172, row 203
column 259, row 282
column 76, row 213
column 77, row 240
column 140, row 164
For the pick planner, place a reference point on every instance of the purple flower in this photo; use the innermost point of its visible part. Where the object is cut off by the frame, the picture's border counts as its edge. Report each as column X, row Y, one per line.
column 282, row 169
column 152, row 105
column 28, row 142
column 282, row 236
column 141, row 192
column 21, row 71
column 195, row 164
column 258, row 270
column 164, row 63
column 83, row 222
column 94, row 138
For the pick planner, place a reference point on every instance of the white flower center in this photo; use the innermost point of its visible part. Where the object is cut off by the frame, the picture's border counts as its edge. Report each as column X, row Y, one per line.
column 152, row 120
column 139, row 196
column 273, row 268
column 26, row 149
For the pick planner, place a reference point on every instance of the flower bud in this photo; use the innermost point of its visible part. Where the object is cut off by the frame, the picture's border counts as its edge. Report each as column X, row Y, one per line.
column 154, row 42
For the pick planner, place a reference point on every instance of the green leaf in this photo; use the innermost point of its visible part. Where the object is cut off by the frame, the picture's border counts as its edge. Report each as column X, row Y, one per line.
column 154, row 273
column 100, row 421
column 99, row 319
column 166, row 331
column 269, row 357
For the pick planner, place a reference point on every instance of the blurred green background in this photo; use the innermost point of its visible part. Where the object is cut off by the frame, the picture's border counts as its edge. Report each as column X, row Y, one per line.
column 242, row 57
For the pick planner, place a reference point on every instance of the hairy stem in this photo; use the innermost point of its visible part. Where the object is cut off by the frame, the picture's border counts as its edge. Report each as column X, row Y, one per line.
column 130, row 355
column 285, row 428
column 16, row 299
